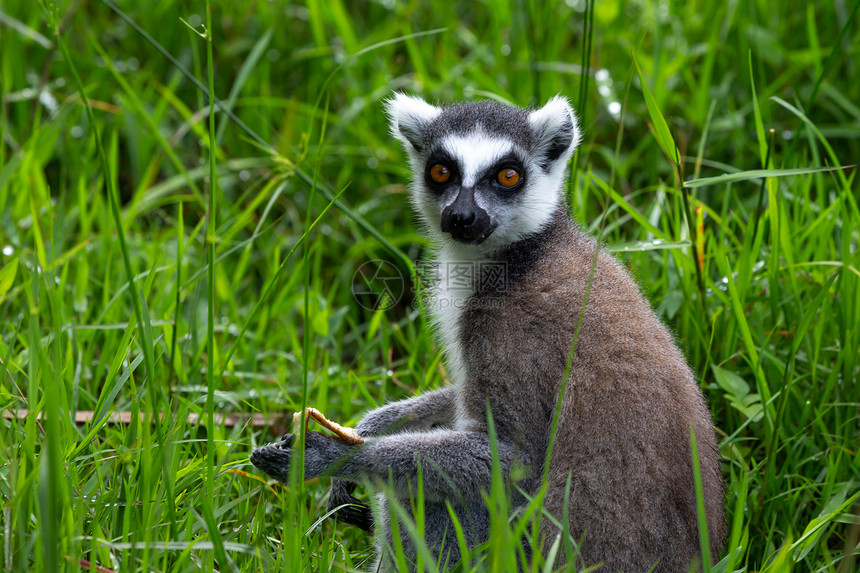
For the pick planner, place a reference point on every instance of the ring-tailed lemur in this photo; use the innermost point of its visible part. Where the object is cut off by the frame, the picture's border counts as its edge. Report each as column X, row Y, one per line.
column 488, row 185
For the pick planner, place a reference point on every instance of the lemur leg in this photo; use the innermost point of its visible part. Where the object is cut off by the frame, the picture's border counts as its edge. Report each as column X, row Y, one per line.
column 454, row 464
column 421, row 412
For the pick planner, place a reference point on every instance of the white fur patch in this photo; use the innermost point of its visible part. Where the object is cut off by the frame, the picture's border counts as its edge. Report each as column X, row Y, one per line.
column 552, row 118
column 450, row 294
column 475, row 153
column 451, row 297
column 409, row 117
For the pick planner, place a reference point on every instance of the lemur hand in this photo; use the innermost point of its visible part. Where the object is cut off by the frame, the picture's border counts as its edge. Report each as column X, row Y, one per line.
column 352, row 511
column 321, row 452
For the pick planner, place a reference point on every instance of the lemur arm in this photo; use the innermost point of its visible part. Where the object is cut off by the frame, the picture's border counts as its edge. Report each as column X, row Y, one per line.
column 454, row 463
column 419, row 413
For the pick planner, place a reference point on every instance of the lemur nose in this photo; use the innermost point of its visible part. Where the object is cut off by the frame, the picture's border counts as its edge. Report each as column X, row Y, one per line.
column 467, row 221
column 463, row 220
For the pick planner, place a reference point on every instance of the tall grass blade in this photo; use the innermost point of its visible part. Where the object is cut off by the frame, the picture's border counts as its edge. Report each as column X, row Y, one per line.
column 112, row 194
column 837, row 45
column 211, row 375
column 749, row 344
column 245, row 71
column 661, row 129
column 758, row 174
column 759, row 126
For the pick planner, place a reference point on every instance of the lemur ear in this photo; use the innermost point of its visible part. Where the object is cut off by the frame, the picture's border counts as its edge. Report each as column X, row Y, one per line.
column 555, row 129
column 410, row 117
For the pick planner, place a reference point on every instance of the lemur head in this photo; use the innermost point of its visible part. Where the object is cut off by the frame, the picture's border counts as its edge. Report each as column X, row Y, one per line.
column 485, row 174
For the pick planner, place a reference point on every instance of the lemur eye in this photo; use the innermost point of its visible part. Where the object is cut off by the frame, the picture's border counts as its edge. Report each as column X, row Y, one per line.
column 508, row 177
column 439, row 173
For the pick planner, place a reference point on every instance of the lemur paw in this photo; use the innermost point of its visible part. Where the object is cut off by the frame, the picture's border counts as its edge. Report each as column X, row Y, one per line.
column 274, row 459
column 349, row 509
column 321, row 452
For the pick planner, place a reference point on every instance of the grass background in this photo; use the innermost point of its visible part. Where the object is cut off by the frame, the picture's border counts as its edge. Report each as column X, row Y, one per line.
column 766, row 307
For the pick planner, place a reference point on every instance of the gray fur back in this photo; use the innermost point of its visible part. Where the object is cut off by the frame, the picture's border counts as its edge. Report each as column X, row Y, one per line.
column 630, row 399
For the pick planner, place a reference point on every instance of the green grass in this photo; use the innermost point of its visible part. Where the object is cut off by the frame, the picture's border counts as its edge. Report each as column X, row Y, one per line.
column 116, row 256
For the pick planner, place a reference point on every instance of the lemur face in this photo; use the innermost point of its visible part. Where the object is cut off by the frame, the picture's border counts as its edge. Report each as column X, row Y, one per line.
column 485, row 174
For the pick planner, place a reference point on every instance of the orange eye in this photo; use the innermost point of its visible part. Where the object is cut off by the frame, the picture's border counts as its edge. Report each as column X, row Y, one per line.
column 440, row 173
column 508, row 177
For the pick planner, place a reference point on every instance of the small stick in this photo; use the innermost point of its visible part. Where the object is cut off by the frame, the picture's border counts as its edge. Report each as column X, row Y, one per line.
column 229, row 420
column 347, row 434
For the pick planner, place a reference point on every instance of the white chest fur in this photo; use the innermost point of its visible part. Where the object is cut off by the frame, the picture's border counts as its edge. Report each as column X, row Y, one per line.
column 448, row 307
column 454, row 276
